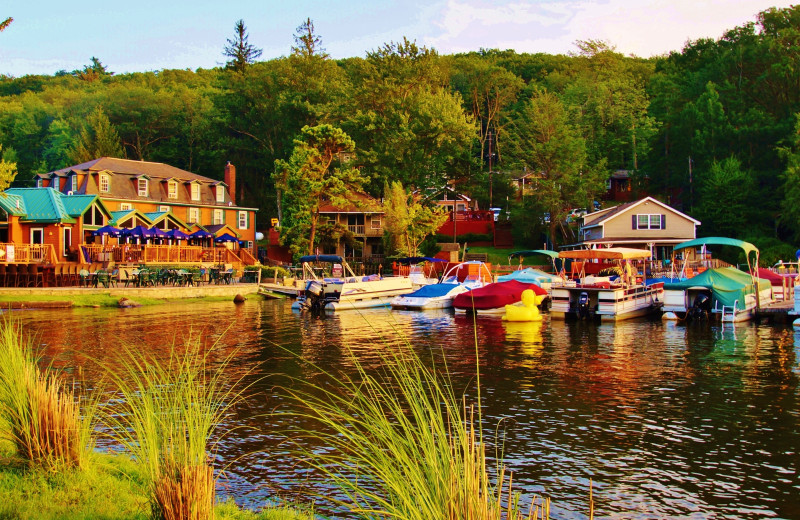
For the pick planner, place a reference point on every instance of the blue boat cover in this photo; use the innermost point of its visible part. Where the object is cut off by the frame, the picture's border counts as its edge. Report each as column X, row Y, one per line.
column 528, row 275
column 433, row 290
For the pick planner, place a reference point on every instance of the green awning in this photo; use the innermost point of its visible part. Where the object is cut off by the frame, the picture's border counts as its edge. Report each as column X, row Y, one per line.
column 718, row 241
column 533, row 252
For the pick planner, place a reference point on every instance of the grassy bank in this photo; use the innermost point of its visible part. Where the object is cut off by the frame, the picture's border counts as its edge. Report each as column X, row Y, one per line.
column 104, row 299
column 496, row 256
column 111, row 488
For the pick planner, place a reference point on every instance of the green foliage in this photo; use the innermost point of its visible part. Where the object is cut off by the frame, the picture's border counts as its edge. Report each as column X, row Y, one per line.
column 726, row 192
column 5, row 23
column 8, row 172
column 239, row 50
column 314, row 174
column 407, row 221
column 97, row 139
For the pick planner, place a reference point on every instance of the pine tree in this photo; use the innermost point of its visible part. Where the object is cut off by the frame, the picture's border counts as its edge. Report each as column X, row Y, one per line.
column 8, row 171
column 307, row 43
column 241, row 52
column 98, row 138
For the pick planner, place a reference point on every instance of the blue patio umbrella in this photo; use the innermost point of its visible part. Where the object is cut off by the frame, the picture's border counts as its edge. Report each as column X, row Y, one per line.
column 158, row 233
column 226, row 238
column 139, row 232
column 200, row 233
column 106, row 230
column 177, row 234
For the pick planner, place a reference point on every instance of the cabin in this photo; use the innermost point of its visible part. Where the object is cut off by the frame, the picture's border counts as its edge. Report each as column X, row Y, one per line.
column 644, row 224
column 362, row 218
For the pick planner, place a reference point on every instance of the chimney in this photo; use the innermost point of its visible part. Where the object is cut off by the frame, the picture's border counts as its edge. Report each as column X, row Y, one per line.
column 230, row 180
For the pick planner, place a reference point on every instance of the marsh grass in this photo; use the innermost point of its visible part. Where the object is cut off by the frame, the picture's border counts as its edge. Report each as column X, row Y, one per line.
column 400, row 444
column 41, row 414
column 168, row 412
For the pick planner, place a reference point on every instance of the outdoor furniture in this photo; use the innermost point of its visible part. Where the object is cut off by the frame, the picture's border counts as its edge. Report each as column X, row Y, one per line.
column 101, row 278
column 227, row 276
column 113, row 279
column 11, row 275
column 83, row 274
column 35, row 275
column 3, row 274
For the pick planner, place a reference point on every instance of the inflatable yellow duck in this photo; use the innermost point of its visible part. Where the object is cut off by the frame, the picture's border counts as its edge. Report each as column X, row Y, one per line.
column 528, row 311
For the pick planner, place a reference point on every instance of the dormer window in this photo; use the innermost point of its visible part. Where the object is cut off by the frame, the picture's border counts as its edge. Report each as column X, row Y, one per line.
column 195, row 191
column 142, row 187
column 220, row 193
column 38, row 183
column 105, row 183
column 172, row 190
column 73, row 180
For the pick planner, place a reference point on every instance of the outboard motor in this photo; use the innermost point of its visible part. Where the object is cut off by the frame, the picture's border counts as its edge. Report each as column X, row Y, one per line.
column 314, row 299
column 584, row 306
column 700, row 308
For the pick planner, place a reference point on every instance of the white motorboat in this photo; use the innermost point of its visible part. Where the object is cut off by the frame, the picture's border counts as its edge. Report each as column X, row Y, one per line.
column 441, row 295
column 608, row 298
column 346, row 291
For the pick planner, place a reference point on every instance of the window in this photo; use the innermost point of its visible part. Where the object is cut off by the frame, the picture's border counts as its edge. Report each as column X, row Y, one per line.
column 125, row 206
column 194, row 215
column 142, row 185
column 195, row 191
column 74, row 182
column 647, row 221
column 104, row 183
column 376, row 223
column 242, row 220
column 37, row 236
column 220, row 193
column 67, row 240
column 219, row 217
column 163, row 209
column 38, row 183
column 172, row 190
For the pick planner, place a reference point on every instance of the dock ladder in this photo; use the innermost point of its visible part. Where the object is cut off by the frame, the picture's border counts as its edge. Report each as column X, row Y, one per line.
column 729, row 312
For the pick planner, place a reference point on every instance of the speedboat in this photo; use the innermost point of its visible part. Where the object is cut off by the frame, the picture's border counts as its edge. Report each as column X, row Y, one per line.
column 347, row 291
column 472, row 274
column 614, row 297
column 722, row 292
column 493, row 298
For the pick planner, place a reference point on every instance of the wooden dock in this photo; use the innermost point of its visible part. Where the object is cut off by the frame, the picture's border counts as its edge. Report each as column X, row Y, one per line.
column 781, row 311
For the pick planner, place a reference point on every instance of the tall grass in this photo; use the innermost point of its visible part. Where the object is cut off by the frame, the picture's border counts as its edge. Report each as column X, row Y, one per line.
column 402, row 445
column 41, row 416
column 170, row 409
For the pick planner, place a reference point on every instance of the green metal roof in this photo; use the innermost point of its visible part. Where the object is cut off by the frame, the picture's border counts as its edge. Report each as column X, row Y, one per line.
column 156, row 215
column 12, row 204
column 77, row 205
column 42, row 205
column 116, row 216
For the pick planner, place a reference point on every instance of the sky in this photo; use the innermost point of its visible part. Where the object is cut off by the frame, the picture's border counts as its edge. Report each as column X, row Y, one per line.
column 147, row 35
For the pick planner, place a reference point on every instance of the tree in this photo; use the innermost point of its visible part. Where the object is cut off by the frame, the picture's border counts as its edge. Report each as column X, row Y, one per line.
column 312, row 175
column 8, row 171
column 241, row 52
column 790, row 216
column 726, row 192
column 5, row 23
column 407, row 221
column 546, row 143
column 307, row 43
column 98, row 138
column 92, row 72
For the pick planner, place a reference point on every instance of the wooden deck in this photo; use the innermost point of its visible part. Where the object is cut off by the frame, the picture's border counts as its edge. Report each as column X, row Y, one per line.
column 781, row 311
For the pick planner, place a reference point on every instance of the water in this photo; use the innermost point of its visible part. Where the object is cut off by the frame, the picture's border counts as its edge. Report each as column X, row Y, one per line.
column 667, row 420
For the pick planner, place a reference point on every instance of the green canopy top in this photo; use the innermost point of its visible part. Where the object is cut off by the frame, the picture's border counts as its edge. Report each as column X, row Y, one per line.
column 533, row 252
column 721, row 241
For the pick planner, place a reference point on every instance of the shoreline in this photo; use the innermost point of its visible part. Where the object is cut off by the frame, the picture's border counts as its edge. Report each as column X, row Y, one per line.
column 73, row 297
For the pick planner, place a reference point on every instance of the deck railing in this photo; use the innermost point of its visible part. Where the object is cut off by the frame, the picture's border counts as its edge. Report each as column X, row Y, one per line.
column 28, row 254
column 162, row 254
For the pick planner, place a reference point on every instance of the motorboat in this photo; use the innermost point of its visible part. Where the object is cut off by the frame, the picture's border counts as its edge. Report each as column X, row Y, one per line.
column 530, row 274
column 493, row 298
column 458, row 279
column 726, row 293
column 619, row 295
column 416, row 269
column 345, row 290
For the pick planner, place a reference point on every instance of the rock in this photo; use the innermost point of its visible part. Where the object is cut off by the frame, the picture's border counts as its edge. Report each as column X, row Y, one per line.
column 124, row 303
column 239, row 299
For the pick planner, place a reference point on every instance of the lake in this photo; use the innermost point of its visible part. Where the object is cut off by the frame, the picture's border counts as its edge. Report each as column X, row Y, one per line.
column 667, row 420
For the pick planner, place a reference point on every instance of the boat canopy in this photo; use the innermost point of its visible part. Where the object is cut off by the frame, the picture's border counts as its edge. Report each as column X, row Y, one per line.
column 533, row 252
column 719, row 241
column 529, row 275
column 334, row 259
column 727, row 284
column 607, row 253
column 433, row 290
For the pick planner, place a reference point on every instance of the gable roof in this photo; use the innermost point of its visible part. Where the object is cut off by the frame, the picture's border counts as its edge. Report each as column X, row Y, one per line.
column 41, row 205
column 77, row 205
column 117, row 216
column 136, row 168
column 12, row 204
column 608, row 213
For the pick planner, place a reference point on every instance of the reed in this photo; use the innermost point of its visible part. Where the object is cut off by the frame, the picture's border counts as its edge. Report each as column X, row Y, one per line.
column 402, row 445
column 168, row 412
column 42, row 415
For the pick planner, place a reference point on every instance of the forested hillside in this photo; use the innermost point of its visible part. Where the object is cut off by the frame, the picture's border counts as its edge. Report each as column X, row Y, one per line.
column 712, row 130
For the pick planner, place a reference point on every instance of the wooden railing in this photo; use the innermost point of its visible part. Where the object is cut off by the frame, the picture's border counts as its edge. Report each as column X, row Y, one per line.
column 246, row 257
column 28, row 254
column 161, row 254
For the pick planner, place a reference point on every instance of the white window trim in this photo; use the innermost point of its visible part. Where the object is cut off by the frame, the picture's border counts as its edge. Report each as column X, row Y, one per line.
column 376, row 223
column 33, row 230
column 242, row 219
column 105, row 183
column 66, row 243
column 172, row 190
column 650, row 218
column 142, row 192
column 163, row 209
column 219, row 217
column 193, row 216
column 125, row 206
column 74, row 183
column 220, row 193
column 195, row 187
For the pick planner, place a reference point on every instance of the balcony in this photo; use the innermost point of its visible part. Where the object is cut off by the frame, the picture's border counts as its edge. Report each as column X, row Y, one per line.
column 361, row 230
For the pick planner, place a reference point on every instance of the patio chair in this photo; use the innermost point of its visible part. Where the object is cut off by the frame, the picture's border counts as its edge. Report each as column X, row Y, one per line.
column 11, row 275
column 113, row 279
column 3, row 275
column 57, row 275
column 83, row 275
column 35, row 276
column 197, row 277
column 101, row 278
column 130, row 277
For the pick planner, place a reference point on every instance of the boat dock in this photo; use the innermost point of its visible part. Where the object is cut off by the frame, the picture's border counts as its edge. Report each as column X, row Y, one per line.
column 779, row 311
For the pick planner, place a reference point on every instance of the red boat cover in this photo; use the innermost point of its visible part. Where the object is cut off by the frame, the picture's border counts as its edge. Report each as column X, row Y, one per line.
column 495, row 295
column 774, row 278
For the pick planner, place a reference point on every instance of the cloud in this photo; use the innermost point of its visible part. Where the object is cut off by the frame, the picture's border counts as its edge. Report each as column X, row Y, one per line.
column 641, row 27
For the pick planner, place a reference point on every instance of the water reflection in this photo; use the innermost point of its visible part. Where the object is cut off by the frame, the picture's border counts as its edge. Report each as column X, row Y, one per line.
column 668, row 419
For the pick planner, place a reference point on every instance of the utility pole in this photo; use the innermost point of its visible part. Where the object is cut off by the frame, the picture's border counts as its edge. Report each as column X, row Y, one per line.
column 491, row 201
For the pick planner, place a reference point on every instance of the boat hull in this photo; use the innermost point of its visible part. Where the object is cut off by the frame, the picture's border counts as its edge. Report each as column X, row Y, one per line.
column 611, row 303
column 338, row 295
